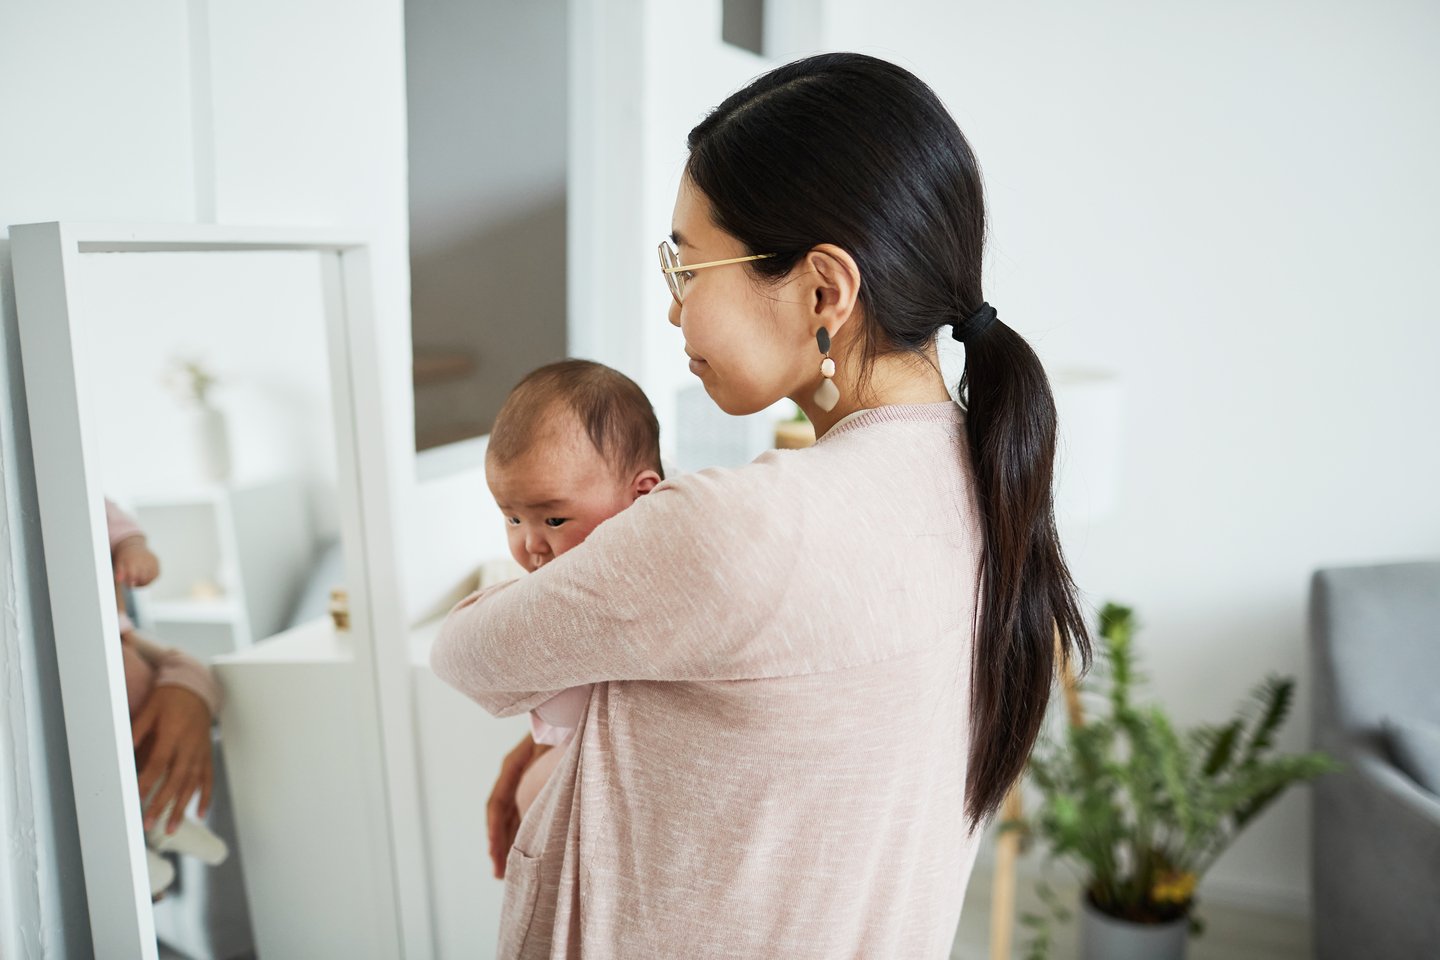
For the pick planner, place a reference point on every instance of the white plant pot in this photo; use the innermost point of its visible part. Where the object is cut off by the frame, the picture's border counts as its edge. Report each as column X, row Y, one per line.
column 1103, row 937
column 212, row 444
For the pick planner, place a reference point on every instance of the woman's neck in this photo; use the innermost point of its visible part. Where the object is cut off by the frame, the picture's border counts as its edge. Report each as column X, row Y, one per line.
column 894, row 378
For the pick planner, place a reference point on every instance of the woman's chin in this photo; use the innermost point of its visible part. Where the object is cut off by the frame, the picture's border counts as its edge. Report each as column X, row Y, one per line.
column 734, row 406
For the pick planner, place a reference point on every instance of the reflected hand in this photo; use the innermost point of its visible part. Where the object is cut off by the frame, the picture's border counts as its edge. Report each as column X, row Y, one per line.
column 501, row 812
column 135, row 565
column 171, row 734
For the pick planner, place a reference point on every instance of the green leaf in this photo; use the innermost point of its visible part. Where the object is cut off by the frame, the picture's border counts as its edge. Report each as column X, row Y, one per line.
column 1173, row 768
column 1222, row 748
column 1276, row 693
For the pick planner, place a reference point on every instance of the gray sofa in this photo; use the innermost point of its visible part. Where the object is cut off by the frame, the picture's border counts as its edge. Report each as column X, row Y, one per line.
column 1375, row 842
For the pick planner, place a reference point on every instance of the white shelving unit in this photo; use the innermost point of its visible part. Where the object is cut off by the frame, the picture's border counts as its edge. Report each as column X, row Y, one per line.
column 233, row 559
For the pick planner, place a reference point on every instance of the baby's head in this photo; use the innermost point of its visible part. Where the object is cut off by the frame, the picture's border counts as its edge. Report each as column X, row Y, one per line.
column 575, row 443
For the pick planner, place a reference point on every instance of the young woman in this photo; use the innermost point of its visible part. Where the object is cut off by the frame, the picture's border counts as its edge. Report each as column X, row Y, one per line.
column 818, row 675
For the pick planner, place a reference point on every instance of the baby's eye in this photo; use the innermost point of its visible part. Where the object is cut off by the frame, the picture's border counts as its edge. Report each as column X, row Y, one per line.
column 555, row 521
column 513, row 521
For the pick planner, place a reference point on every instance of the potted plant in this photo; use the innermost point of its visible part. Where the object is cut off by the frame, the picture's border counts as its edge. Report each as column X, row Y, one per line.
column 1143, row 810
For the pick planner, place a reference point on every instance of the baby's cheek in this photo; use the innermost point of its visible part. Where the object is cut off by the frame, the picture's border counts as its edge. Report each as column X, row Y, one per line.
column 517, row 547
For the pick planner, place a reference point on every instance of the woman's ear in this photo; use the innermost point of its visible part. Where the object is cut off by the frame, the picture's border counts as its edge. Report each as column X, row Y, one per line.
column 644, row 482
column 834, row 287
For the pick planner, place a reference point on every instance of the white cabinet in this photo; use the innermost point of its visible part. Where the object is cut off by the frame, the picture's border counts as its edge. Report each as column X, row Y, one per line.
column 305, row 818
column 305, row 814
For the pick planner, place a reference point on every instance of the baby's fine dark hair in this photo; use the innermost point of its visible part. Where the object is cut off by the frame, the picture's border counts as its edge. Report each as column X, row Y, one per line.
column 611, row 408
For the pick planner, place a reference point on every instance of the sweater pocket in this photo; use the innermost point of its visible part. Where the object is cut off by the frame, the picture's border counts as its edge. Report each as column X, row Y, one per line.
column 517, row 911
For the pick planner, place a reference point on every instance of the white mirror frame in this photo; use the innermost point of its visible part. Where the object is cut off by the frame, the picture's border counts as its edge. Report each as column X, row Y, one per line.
column 47, row 264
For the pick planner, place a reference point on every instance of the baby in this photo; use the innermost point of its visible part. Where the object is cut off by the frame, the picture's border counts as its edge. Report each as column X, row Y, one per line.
column 148, row 666
column 575, row 443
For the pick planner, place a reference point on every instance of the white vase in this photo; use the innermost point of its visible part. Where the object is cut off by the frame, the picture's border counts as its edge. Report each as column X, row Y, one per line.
column 1103, row 937
column 212, row 444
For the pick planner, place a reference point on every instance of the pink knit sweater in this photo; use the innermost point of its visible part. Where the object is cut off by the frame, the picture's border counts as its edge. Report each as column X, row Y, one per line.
column 773, row 759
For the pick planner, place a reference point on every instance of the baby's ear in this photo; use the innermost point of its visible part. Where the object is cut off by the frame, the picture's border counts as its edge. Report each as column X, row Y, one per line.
column 644, row 482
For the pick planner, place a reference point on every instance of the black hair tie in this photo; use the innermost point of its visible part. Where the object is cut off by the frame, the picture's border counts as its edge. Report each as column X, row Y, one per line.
column 975, row 324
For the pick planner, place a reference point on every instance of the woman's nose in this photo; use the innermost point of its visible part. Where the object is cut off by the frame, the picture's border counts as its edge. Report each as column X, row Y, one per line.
column 674, row 313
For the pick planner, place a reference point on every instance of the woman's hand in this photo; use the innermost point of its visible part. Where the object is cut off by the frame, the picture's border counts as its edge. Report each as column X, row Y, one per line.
column 501, row 812
column 171, row 735
column 135, row 565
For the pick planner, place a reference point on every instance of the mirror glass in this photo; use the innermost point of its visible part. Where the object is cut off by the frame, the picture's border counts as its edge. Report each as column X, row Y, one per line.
column 214, row 439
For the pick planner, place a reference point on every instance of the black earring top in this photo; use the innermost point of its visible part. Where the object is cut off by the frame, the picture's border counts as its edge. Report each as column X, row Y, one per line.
column 822, row 337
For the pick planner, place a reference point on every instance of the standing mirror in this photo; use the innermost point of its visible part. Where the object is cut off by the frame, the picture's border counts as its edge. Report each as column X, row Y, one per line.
column 218, row 531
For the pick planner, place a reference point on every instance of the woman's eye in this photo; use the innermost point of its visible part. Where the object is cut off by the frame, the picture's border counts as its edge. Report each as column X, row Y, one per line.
column 687, row 274
column 555, row 522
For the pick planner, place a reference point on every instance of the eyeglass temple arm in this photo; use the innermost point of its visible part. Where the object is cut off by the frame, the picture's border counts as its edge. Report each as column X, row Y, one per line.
column 714, row 263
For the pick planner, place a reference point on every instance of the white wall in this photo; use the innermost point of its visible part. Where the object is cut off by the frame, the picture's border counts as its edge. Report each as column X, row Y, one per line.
column 1233, row 205
column 169, row 111
column 153, row 310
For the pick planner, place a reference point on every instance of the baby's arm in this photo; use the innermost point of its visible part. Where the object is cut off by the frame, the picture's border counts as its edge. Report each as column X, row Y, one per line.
column 130, row 554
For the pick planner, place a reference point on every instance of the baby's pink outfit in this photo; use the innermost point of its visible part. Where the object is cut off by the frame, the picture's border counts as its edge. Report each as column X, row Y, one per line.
column 553, row 722
column 148, row 665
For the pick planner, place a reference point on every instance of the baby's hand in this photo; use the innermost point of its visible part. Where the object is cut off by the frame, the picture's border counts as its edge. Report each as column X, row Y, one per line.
column 135, row 565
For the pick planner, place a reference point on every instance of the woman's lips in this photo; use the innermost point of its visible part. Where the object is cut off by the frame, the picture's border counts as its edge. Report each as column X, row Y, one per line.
column 698, row 366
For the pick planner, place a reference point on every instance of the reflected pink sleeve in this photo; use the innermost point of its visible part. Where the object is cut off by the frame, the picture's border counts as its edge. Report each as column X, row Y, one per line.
column 174, row 668
column 121, row 525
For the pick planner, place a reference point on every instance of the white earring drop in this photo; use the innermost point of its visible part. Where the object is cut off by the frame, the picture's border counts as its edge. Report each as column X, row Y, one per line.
column 827, row 395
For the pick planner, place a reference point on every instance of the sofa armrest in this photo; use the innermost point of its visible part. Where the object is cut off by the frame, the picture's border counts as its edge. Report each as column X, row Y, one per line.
column 1376, row 869
column 1401, row 797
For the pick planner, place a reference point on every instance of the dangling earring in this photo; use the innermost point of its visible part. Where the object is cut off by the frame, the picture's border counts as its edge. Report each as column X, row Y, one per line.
column 827, row 395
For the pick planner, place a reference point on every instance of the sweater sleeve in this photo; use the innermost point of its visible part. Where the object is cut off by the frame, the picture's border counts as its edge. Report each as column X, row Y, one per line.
column 679, row 586
column 175, row 668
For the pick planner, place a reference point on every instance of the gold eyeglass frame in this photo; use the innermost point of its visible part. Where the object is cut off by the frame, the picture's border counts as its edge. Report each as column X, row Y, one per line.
column 669, row 254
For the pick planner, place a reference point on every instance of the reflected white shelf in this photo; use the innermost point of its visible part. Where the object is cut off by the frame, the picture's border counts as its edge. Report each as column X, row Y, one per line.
column 193, row 611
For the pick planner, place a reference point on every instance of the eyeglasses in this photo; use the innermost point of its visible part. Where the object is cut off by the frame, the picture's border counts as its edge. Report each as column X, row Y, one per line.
column 678, row 274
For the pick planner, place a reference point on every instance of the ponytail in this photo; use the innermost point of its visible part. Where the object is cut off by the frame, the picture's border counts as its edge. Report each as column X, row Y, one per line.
column 1026, row 596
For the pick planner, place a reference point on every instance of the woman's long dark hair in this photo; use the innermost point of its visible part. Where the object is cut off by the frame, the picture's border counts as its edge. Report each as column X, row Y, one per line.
column 847, row 149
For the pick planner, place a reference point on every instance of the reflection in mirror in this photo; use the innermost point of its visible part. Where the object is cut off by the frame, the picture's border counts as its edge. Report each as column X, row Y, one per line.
column 214, row 439
column 488, row 208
